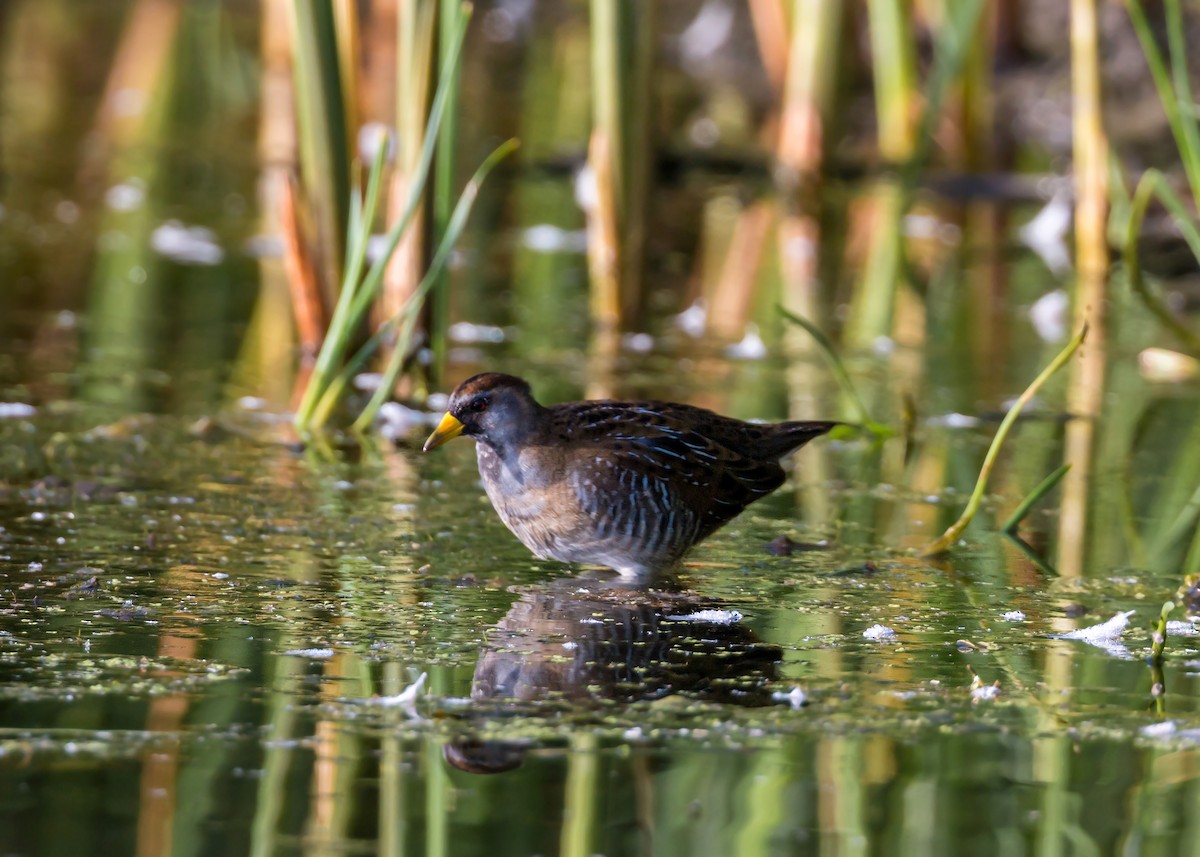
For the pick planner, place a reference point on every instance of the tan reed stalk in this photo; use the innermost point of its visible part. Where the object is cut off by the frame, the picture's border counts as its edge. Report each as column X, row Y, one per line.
column 1086, row 385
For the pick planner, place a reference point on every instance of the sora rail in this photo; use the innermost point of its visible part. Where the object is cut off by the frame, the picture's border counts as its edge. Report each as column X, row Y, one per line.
column 628, row 485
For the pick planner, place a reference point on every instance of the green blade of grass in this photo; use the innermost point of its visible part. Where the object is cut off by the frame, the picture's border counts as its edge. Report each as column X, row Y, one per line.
column 341, row 328
column 1033, row 556
column 1191, row 563
column 437, row 111
column 1175, row 108
column 360, row 234
column 1189, row 146
column 408, row 315
column 1153, row 185
column 1159, row 637
column 355, row 301
column 444, row 172
column 840, row 374
column 1184, row 523
column 321, row 119
column 1014, row 520
column 941, row 544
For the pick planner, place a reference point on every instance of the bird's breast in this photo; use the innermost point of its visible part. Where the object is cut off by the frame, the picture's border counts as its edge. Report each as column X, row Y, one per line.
column 522, row 488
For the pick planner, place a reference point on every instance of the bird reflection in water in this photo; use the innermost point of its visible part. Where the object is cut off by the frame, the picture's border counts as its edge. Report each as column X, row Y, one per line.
column 584, row 640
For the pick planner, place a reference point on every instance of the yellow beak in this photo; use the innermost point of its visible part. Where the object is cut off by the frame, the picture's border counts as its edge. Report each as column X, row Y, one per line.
column 448, row 429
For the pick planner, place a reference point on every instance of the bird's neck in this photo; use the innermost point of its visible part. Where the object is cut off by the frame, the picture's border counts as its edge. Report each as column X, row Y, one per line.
column 527, row 430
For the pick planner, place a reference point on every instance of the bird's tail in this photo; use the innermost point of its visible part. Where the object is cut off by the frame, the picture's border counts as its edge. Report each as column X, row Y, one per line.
column 792, row 436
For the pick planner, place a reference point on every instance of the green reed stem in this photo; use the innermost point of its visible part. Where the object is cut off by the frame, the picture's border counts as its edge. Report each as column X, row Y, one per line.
column 1014, row 520
column 443, row 185
column 860, row 414
column 1184, row 523
column 437, row 799
column 895, row 69
column 1191, row 563
column 355, row 298
column 948, row 538
column 622, row 53
column 1041, row 563
column 581, row 798
column 1153, row 185
column 1174, row 89
column 1158, row 640
column 321, row 115
column 437, row 266
column 873, row 303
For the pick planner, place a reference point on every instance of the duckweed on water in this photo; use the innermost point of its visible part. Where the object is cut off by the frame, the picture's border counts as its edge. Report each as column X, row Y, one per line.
column 247, row 606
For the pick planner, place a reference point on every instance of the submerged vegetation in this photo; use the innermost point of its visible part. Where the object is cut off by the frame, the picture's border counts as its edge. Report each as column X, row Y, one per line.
column 228, row 224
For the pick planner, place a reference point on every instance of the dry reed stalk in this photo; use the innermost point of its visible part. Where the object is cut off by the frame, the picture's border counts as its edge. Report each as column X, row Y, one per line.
column 895, row 75
column 603, row 357
column 412, row 92
column 160, row 786
column 273, row 331
column 807, row 102
column 1086, row 385
column 349, row 49
column 408, row 262
column 895, row 71
column 277, row 104
column 733, row 297
column 771, row 33
column 808, row 80
column 322, row 138
column 146, row 43
column 622, row 46
column 604, row 249
column 308, row 306
column 812, row 66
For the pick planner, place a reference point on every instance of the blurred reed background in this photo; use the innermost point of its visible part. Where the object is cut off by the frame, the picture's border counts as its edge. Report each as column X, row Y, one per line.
column 903, row 176
column 942, row 188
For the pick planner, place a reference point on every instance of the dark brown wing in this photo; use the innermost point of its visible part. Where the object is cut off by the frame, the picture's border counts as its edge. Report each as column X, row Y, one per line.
column 654, row 475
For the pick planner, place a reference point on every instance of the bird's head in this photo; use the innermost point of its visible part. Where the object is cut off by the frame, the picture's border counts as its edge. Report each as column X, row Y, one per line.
column 491, row 407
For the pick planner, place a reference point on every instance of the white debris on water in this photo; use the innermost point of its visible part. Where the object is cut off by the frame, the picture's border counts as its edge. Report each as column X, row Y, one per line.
column 126, row 196
column 315, row 654
column 1048, row 315
column 879, row 633
column 396, row 421
column 548, row 238
column 371, row 137
column 1106, row 635
column 189, row 245
column 1102, row 633
column 405, row 699
column 713, row 617
column 984, row 692
column 16, row 410
column 796, row 697
column 1159, row 730
column 471, row 333
column 953, row 420
column 638, row 343
column 693, row 320
column 751, row 347
column 1046, row 233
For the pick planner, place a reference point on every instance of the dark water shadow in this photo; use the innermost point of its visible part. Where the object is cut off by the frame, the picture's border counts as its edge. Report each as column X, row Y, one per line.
column 590, row 641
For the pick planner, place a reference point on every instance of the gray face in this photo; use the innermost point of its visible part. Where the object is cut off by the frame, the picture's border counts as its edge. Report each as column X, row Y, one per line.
column 493, row 408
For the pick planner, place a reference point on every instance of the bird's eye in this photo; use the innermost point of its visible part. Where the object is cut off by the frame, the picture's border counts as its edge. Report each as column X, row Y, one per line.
column 479, row 405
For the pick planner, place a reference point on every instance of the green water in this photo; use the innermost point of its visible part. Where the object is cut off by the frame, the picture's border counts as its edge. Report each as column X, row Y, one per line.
column 200, row 636
column 214, row 641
